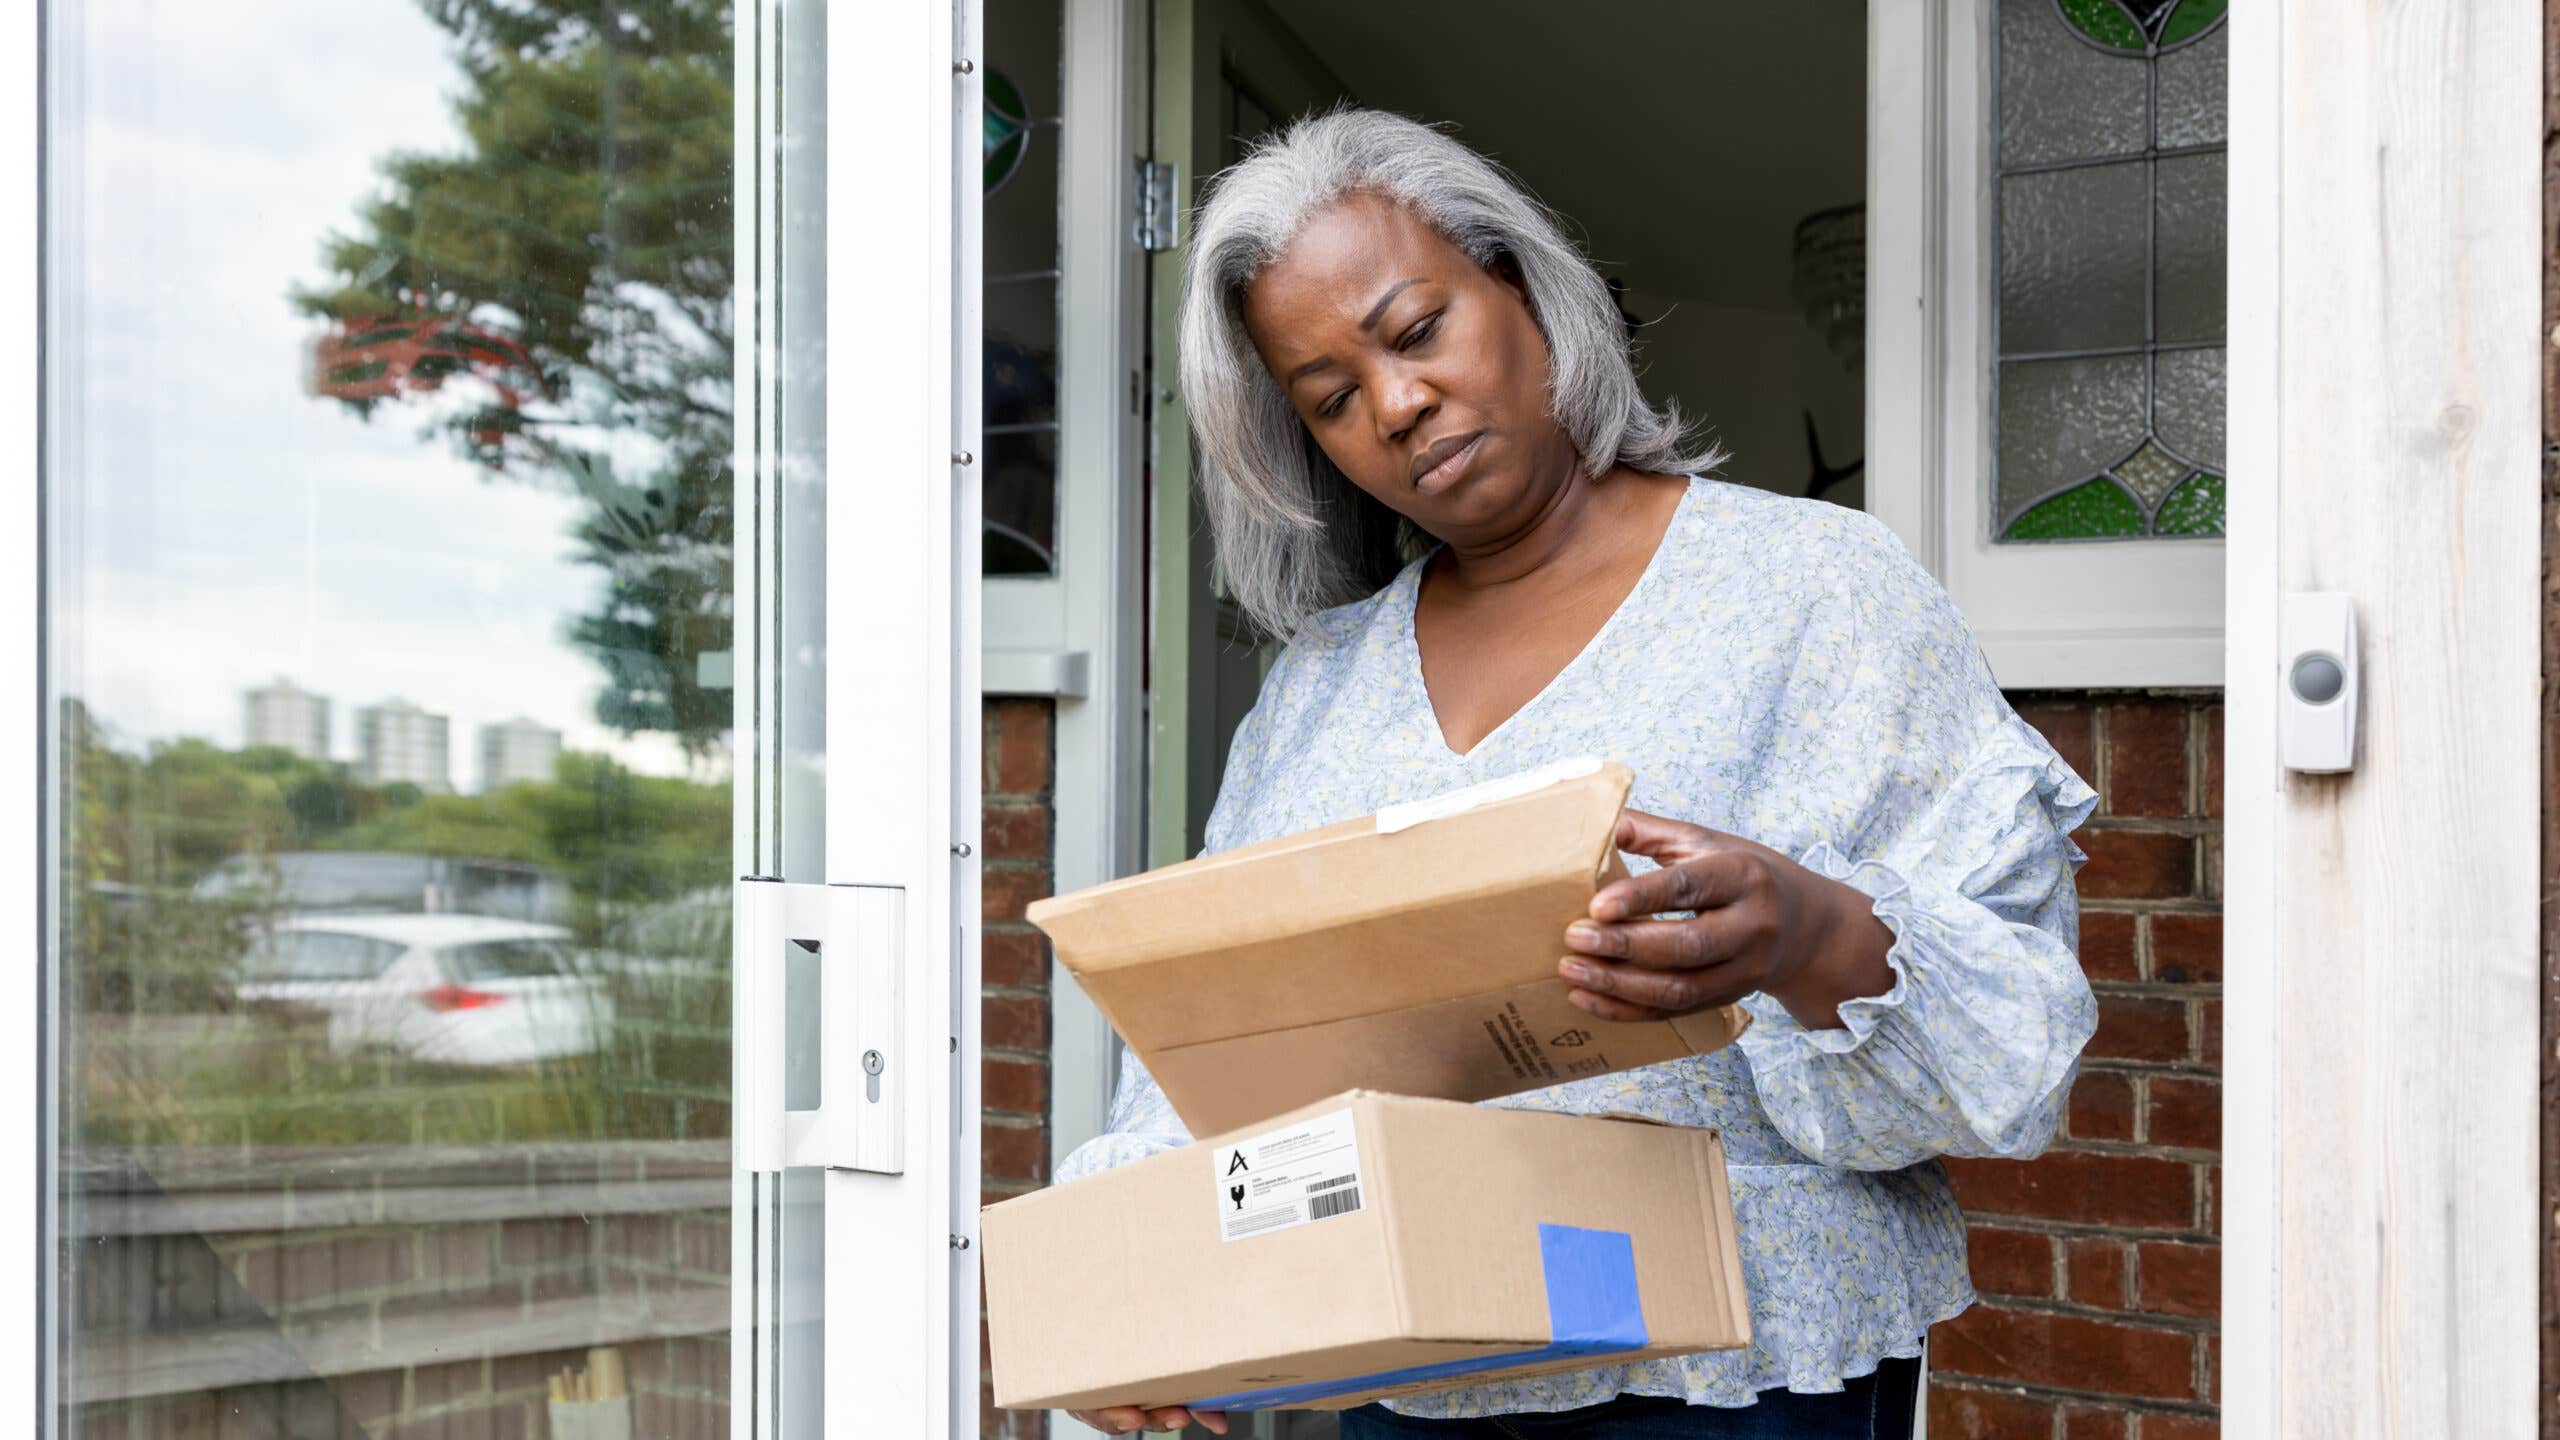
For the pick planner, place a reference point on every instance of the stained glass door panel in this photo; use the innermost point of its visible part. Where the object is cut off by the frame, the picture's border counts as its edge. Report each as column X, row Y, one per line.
column 2109, row 294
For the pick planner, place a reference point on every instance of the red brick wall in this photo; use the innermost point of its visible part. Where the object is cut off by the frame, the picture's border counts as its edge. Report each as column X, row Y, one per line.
column 2099, row 1265
column 1020, row 740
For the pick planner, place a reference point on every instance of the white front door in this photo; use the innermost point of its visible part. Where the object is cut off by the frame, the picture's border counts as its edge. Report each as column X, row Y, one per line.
column 2383, row 1062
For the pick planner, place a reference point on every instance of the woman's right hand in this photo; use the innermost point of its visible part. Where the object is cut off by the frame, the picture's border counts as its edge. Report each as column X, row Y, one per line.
column 1129, row 1419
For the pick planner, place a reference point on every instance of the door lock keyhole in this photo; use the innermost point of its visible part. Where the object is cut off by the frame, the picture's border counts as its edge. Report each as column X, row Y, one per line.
column 872, row 1065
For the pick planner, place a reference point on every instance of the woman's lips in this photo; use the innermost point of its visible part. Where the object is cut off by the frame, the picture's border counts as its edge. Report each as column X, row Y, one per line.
column 1448, row 470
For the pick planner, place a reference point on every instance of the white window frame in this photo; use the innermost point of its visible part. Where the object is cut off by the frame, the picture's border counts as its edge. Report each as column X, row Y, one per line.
column 2068, row 616
column 29, row 1333
column 1077, row 636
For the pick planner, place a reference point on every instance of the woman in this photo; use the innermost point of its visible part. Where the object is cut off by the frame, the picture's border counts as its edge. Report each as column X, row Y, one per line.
column 1389, row 351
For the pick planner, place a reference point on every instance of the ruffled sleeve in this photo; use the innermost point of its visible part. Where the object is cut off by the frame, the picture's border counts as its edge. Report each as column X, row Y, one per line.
column 1956, row 824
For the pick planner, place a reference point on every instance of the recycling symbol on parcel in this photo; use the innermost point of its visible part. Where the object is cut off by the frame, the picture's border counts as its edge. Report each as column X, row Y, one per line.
column 1303, row 1173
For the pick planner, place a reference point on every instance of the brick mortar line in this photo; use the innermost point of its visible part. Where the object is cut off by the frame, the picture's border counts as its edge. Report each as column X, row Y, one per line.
column 2085, row 1230
column 1012, row 992
column 2141, row 1404
column 2150, row 1069
column 2082, row 1310
column 2179, row 1069
column 2187, row 1154
column 2190, row 826
column 1011, row 1052
column 2095, row 697
column 2160, row 989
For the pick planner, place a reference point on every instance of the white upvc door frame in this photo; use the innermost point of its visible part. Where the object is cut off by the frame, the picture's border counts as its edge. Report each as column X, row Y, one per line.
column 2056, row 616
column 31, row 1327
column 2251, row 1399
column 903, row 93
column 1094, row 609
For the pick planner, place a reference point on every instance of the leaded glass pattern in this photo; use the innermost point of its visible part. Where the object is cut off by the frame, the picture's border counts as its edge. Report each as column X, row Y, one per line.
column 2108, row 382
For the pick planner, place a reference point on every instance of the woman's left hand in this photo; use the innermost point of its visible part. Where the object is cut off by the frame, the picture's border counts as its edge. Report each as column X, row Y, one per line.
column 1760, row 922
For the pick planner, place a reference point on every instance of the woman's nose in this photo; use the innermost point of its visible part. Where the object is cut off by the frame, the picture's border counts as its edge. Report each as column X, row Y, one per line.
column 1405, row 400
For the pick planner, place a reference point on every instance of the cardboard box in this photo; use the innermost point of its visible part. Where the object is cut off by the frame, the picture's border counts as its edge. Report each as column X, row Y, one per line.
column 1364, row 1246
column 1411, row 951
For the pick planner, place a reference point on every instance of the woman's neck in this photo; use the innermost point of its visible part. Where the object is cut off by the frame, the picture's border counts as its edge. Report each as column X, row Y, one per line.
column 1579, row 525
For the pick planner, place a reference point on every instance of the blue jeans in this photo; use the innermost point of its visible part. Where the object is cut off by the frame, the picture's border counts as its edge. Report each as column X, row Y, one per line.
column 1870, row 1407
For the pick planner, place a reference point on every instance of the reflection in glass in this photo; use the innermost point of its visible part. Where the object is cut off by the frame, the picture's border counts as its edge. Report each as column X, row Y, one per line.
column 2110, row 277
column 2065, row 418
column 1020, row 254
column 2187, row 245
column 2061, row 98
column 395, row 1080
column 2071, row 258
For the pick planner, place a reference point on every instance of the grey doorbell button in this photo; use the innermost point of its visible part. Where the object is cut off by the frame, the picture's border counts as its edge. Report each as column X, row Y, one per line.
column 2317, row 719
column 2317, row 679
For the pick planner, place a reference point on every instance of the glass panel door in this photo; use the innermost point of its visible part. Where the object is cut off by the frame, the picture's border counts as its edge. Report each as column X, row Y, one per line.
column 392, row 653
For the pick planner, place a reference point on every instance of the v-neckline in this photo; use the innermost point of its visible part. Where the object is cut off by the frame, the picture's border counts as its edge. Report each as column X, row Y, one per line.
column 1410, row 608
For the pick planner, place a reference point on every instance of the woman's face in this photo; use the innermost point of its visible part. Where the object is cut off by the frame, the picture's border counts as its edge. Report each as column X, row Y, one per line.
column 1420, row 373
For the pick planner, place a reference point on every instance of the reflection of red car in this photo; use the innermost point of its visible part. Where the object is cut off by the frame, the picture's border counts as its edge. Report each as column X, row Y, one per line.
column 383, row 357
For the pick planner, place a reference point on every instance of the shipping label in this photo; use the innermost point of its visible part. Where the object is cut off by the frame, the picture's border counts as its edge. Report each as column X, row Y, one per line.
column 1283, row 1178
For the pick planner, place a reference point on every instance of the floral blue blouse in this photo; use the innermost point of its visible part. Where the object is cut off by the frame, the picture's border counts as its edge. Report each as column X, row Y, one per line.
column 1783, row 670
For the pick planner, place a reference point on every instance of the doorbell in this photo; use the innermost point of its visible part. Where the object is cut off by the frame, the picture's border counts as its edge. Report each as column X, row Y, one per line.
column 2318, row 703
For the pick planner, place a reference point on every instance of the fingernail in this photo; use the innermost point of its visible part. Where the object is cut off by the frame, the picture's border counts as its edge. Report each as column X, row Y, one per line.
column 1583, row 935
column 1577, row 971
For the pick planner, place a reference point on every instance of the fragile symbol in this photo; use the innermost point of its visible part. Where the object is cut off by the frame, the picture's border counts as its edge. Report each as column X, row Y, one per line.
column 1571, row 1038
column 1237, row 1163
column 1236, row 1193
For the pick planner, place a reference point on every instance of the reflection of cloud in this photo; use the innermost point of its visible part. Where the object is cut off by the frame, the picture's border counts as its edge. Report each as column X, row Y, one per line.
column 232, row 527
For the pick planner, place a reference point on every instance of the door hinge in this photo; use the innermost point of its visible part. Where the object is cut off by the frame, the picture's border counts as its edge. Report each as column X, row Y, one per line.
column 1159, row 224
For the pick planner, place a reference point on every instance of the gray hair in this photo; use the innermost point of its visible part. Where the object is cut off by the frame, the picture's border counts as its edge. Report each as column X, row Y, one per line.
column 1293, row 534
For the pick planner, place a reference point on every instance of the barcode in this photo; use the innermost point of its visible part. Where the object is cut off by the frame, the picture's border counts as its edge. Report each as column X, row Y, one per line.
column 1335, row 1183
column 1340, row 1202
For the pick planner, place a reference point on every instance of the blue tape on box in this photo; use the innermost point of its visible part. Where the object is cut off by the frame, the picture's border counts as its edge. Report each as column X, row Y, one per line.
column 1592, row 1309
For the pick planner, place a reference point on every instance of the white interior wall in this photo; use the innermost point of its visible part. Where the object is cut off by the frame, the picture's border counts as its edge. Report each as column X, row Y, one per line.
column 1751, row 374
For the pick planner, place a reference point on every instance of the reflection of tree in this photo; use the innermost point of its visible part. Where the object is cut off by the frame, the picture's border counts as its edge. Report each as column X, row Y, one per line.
column 557, row 296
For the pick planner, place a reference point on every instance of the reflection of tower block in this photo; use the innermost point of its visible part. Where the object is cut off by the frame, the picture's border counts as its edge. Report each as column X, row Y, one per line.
column 594, row 1403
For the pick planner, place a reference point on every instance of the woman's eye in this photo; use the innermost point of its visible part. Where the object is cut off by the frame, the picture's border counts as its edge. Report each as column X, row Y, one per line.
column 1333, row 406
column 1419, row 333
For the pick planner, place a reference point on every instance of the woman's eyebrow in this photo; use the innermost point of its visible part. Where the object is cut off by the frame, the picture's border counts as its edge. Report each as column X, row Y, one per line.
column 1367, row 322
column 1370, row 321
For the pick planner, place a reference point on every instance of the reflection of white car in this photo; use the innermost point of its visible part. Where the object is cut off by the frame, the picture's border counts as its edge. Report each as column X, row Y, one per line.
column 459, row 989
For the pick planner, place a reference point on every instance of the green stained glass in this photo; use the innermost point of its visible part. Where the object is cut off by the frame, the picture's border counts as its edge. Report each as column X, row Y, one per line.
column 2194, row 509
column 1006, row 129
column 2105, row 22
column 2099, row 510
column 2193, row 17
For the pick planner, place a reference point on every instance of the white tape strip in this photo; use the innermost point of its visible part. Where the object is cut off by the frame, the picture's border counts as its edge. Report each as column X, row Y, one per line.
column 1437, row 807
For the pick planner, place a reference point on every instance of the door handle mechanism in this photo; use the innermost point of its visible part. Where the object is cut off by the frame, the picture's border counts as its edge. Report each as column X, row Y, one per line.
column 858, row 933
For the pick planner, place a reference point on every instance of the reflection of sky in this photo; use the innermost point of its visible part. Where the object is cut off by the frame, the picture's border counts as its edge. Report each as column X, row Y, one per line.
column 230, row 527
